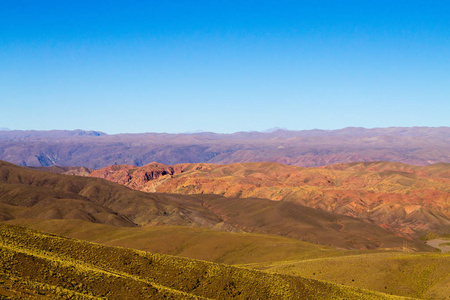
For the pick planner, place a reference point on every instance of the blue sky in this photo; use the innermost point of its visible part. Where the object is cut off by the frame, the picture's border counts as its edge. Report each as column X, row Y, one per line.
column 223, row 66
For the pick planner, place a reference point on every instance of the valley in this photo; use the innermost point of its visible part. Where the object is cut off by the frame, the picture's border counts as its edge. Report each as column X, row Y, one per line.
column 234, row 221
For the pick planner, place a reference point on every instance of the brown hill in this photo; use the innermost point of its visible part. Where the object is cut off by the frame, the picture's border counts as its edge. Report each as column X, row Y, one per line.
column 30, row 194
column 308, row 148
column 407, row 199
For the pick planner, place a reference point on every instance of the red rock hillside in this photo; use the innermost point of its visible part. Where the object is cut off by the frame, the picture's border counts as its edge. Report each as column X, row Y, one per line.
column 407, row 199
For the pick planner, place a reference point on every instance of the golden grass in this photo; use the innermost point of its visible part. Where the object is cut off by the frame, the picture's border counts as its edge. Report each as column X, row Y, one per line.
column 420, row 275
column 197, row 243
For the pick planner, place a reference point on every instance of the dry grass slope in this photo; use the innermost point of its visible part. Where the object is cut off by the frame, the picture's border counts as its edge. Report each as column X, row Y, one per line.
column 425, row 276
column 196, row 243
column 34, row 264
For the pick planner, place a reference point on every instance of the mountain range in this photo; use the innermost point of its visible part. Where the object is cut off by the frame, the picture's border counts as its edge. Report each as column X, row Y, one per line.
column 308, row 148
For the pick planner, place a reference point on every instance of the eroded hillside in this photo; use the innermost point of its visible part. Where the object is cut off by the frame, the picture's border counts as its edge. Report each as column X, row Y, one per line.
column 407, row 199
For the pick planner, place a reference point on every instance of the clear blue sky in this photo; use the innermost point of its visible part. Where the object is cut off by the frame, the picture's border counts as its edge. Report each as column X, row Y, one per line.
column 223, row 66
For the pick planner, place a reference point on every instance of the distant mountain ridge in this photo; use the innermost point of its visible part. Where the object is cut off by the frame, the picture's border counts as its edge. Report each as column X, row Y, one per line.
column 23, row 134
column 307, row 148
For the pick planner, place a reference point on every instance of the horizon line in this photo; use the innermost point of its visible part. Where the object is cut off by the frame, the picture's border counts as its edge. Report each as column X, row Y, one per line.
column 194, row 132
